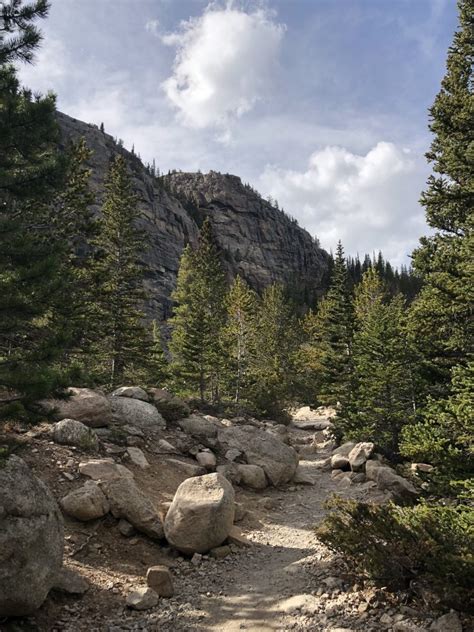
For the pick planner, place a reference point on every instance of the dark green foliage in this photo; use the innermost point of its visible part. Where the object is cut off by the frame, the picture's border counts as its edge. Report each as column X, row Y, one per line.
column 404, row 281
column 445, row 436
column 31, row 171
column 19, row 37
column 198, row 318
column 326, row 354
column 119, row 340
column 384, row 382
column 158, row 370
column 396, row 545
column 442, row 317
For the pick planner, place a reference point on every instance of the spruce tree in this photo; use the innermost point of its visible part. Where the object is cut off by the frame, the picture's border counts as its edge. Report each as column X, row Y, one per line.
column 241, row 305
column 31, row 172
column 157, row 368
column 333, row 339
column 116, row 320
column 272, row 348
column 442, row 317
column 382, row 400
column 198, row 317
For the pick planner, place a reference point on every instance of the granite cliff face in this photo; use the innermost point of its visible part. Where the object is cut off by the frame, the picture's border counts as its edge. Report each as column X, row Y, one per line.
column 257, row 240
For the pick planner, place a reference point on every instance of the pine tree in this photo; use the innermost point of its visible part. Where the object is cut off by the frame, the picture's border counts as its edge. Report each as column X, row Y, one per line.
column 157, row 367
column 241, row 305
column 383, row 380
column 273, row 345
column 31, row 172
column 333, row 340
column 116, row 320
column 198, row 317
column 442, row 317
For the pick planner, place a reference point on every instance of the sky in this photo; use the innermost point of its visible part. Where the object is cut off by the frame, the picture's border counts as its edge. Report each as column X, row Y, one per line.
column 322, row 104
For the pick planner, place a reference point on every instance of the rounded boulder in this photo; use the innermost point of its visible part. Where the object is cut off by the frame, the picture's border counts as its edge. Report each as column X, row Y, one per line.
column 201, row 514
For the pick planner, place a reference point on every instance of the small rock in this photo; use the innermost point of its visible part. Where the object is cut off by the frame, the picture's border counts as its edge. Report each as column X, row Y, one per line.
column 125, row 528
column 252, row 476
column 190, row 470
column 70, row 582
column 359, row 454
column 196, row 559
column 86, row 503
column 142, row 599
column 219, row 552
column 135, row 392
column 240, row 512
column 104, row 470
column 159, row 579
column 207, row 460
column 340, row 462
column 72, row 432
column 233, row 454
column 138, row 458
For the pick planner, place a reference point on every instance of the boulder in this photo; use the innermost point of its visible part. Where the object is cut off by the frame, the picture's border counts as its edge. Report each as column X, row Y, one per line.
column 252, row 476
column 199, row 426
column 306, row 418
column 231, row 472
column 72, row 432
column 278, row 460
column 233, row 454
column 86, row 503
column 359, row 454
column 142, row 599
column 159, row 394
column 134, row 412
column 339, row 462
column 134, row 392
column 128, row 501
column 137, row 457
column 345, row 448
column 387, row 479
column 448, row 622
column 207, row 460
column 83, row 404
column 201, row 514
column 159, row 579
column 31, row 539
column 104, row 470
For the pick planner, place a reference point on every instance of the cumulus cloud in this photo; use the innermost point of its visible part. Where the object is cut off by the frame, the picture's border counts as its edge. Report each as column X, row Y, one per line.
column 223, row 65
column 368, row 201
column 153, row 27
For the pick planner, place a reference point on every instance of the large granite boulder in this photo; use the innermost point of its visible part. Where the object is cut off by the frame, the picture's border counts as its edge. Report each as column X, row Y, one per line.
column 128, row 501
column 83, row 404
column 199, row 426
column 134, row 412
column 278, row 460
column 201, row 514
column 72, row 432
column 31, row 539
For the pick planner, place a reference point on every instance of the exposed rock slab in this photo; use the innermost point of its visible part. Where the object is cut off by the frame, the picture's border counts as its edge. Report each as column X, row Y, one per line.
column 90, row 407
column 104, row 470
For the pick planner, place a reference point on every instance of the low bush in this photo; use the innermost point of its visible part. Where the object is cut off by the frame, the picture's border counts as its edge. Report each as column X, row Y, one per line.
column 173, row 409
column 433, row 545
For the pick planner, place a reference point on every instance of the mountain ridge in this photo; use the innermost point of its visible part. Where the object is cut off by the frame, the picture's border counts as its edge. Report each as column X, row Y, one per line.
column 257, row 240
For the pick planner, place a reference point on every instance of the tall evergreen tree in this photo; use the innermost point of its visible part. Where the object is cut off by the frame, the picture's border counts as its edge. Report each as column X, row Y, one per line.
column 273, row 345
column 241, row 304
column 116, row 320
column 199, row 317
column 333, row 337
column 157, row 369
column 442, row 317
column 382, row 401
column 31, row 172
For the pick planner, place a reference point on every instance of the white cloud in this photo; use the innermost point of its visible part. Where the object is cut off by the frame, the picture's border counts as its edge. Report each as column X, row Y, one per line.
column 368, row 201
column 224, row 63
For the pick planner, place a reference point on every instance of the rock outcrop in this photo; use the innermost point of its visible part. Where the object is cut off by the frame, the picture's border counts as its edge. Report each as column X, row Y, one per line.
column 31, row 539
column 82, row 404
column 258, row 241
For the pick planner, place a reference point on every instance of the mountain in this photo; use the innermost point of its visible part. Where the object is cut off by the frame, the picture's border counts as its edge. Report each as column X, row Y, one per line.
column 257, row 240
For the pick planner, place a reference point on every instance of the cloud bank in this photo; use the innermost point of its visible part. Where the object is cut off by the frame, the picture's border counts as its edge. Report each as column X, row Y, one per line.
column 368, row 201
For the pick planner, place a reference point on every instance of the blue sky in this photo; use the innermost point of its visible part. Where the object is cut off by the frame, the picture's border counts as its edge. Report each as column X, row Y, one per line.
column 319, row 103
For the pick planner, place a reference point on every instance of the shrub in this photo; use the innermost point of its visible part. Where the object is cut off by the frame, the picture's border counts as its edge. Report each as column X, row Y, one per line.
column 396, row 545
column 173, row 409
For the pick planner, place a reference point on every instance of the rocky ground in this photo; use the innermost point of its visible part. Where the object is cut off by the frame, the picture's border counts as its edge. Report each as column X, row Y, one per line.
column 275, row 576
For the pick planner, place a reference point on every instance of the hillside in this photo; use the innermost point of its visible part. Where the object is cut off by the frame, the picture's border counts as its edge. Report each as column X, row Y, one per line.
column 257, row 240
